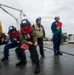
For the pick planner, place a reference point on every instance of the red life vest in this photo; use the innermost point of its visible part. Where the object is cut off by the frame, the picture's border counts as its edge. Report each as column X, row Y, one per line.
column 27, row 33
column 59, row 24
column 2, row 36
column 15, row 35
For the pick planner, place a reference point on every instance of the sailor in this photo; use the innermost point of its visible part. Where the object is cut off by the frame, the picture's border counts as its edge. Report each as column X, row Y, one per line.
column 56, row 28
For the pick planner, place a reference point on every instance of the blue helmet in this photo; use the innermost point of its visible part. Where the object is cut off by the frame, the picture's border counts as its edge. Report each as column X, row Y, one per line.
column 39, row 18
column 25, row 23
column 11, row 28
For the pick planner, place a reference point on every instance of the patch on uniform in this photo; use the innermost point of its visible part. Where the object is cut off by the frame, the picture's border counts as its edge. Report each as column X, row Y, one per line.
column 27, row 36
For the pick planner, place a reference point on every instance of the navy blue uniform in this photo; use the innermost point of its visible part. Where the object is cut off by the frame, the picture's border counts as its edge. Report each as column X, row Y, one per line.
column 56, row 36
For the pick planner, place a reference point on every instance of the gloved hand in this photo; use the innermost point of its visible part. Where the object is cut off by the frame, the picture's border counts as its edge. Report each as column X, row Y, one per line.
column 18, row 41
column 2, row 39
column 29, row 43
column 35, row 44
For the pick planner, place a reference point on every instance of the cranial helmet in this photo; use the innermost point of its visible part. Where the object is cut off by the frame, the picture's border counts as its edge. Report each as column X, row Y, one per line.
column 11, row 28
column 25, row 23
column 39, row 18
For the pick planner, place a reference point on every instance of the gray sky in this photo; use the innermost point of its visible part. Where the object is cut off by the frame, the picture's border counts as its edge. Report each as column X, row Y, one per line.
column 47, row 9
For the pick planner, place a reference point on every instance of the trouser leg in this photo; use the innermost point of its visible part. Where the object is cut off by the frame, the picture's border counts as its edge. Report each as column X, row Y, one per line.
column 2, row 43
column 56, row 43
column 34, row 54
column 40, row 43
column 7, row 47
column 20, row 54
column 6, row 50
column 34, row 58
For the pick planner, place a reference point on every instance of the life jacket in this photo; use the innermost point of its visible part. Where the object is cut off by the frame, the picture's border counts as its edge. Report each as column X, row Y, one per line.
column 59, row 24
column 38, row 30
column 2, row 36
column 15, row 35
column 27, row 33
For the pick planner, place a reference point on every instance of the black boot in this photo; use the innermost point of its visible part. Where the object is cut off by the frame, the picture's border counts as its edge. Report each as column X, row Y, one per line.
column 42, row 56
column 59, row 53
column 21, row 63
column 55, row 53
column 4, row 59
column 37, row 69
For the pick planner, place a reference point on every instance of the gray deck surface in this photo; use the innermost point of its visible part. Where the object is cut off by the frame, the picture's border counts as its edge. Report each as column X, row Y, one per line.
column 50, row 65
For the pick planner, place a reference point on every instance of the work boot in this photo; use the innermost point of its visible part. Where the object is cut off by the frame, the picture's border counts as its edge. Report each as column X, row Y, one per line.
column 4, row 59
column 55, row 53
column 59, row 53
column 37, row 69
column 21, row 63
column 42, row 56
